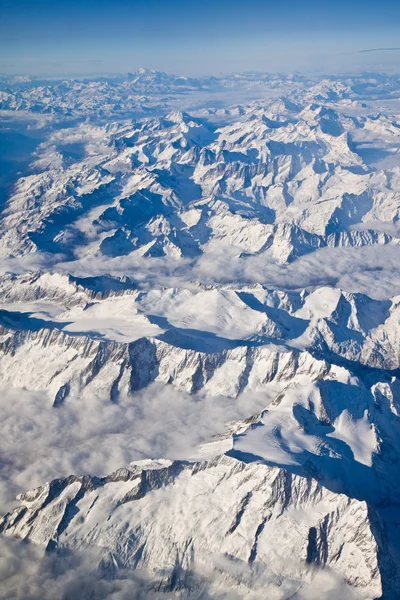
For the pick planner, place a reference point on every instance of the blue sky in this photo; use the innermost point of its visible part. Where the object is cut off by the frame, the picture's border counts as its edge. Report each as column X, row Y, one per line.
column 197, row 36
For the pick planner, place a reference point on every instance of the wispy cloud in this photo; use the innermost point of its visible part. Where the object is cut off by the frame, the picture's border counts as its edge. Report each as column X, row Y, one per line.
column 380, row 50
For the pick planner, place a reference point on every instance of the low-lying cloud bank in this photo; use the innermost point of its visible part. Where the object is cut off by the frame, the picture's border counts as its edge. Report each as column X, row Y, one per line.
column 372, row 270
column 91, row 435
column 28, row 573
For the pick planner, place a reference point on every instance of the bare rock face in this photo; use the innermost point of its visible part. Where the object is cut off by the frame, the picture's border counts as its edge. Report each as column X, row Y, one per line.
column 168, row 519
column 81, row 362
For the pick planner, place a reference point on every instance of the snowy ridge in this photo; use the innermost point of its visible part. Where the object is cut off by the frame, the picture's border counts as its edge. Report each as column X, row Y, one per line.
column 261, row 505
column 176, row 186
column 245, row 259
column 147, row 89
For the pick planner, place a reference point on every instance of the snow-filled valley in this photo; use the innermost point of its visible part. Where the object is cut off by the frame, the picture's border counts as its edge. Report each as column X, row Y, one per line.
column 200, row 336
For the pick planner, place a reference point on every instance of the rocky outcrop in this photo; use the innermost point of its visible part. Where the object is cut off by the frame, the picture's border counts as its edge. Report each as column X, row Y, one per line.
column 173, row 518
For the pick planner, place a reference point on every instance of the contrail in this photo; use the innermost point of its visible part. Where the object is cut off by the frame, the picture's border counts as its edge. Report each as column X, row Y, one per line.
column 379, row 49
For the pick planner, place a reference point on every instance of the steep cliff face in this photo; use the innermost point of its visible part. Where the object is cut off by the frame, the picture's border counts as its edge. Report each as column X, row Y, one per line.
column 176, row 518
column 53, row 359
column 224, row 341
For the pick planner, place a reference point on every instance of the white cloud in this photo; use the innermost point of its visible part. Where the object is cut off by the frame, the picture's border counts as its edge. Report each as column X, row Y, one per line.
column 27, row 573
column 92, row 435
column 373, row 270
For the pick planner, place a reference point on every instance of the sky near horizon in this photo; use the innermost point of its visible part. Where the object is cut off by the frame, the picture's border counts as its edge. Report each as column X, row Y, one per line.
column 197, row 37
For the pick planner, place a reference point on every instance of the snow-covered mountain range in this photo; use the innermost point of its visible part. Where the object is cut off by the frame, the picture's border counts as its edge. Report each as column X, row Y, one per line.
column 200, row 333
column 146, row 90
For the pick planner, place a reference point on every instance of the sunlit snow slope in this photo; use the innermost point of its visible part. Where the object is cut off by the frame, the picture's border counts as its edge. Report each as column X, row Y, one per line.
column 200, row 333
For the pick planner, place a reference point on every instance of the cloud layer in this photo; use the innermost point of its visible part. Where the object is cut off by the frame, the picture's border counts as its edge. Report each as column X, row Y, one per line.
column 95, row 436
column 373, row 270
column 27, row 573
